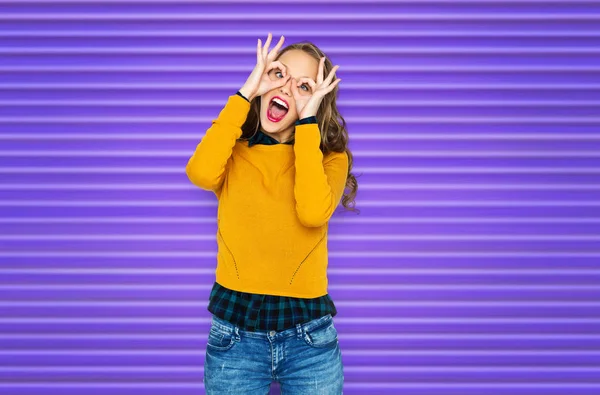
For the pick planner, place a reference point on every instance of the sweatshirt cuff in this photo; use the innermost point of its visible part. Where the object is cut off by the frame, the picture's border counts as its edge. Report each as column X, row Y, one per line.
column 311, row 119
column 240, row 93
column 307, row 137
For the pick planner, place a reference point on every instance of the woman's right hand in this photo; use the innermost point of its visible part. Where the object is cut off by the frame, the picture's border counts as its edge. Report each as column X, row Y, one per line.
column 259, row 81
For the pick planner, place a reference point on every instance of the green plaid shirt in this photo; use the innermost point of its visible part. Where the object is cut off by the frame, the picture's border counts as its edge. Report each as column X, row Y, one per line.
column 253, row 312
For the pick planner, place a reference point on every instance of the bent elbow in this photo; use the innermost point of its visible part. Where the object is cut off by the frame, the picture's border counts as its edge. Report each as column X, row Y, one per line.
column 311, row 219
column 311, row 222
column 200, row 178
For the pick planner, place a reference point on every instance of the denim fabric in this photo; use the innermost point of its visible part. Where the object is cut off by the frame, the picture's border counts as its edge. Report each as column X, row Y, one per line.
column 305, row 359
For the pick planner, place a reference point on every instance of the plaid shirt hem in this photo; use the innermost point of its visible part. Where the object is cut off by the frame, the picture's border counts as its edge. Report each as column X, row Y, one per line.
column 252, row 312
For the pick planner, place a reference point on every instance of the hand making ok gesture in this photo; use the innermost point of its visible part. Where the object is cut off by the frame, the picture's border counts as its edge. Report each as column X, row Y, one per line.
column 307, row 104
column 259, row 82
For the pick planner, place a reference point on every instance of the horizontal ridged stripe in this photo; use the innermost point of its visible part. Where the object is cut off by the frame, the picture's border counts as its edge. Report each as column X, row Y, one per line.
column 364, row 50
column 345, row 304
column 544, row 2
column 349, row 86
column 196, row 386
column 362, row 272
column 355, row 136
column 355, row 120
column 374, row 237
column 284, row 17
column 355, row 103
column 368, row 170
column 445, row 336
column 374, row 220
column 370, row 367
column 389, row 203
column 356, row 153
column 365, row 186
column 381, row 320
column 343, row 33
column 333, row 254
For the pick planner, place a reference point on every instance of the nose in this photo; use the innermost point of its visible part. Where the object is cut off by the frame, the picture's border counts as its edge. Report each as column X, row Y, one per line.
column 287, row 87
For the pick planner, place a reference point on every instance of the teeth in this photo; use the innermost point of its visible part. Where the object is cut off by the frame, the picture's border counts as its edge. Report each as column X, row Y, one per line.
column 280, row 102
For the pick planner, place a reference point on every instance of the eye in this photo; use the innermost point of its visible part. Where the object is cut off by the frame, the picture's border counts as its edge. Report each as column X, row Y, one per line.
column 307, row 87
column 279, row 72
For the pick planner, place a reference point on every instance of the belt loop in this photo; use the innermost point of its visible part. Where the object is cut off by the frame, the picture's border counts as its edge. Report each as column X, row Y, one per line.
column 299, row 331
column 236, row 332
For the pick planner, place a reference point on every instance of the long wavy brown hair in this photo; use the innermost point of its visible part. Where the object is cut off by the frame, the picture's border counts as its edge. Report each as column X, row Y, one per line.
column 334, row 135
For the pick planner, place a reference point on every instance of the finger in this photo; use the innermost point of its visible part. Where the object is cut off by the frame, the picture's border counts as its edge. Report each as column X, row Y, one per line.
column 258, row 53
column 310, row 81
column 284, row 80
column 279, row 44
column 332, row 86
column 331, row 75
column 321, row 68
column 295, row 88
column 278, row 64
column 267, row 45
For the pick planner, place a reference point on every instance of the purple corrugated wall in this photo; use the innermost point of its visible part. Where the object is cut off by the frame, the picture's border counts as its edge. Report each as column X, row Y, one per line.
column 473, row 268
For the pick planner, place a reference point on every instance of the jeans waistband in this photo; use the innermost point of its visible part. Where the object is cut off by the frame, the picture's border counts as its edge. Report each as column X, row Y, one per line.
column 297, row 330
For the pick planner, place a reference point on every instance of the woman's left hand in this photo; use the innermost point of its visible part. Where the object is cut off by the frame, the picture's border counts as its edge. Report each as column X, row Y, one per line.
column 307, row 103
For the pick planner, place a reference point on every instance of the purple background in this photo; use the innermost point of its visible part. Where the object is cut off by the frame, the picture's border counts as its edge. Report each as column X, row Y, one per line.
column 474, row 266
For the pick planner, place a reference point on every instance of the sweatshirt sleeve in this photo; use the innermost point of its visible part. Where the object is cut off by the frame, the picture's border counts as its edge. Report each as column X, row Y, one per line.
column 207, row 166
column 319, row 183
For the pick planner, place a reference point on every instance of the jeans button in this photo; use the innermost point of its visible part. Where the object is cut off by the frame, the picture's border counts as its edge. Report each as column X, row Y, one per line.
column 272, row 333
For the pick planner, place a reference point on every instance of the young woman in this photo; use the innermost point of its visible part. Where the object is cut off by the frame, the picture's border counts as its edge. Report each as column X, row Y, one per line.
column 277, row 159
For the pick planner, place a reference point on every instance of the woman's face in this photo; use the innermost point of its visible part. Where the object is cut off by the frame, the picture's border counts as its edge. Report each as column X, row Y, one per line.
column 274, row 120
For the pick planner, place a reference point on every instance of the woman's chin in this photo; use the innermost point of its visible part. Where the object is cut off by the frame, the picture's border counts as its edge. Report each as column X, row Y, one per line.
column 270, row 125
column 271, row 129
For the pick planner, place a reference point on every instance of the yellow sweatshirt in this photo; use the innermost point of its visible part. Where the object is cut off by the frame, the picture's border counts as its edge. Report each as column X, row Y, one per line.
column 275, row 202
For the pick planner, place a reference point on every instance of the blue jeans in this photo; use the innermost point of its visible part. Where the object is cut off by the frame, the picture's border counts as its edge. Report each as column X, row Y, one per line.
column 304, row 360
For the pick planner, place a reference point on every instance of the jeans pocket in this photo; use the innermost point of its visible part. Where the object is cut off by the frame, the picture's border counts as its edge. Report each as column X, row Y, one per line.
column 220, row 338
column 323, row 336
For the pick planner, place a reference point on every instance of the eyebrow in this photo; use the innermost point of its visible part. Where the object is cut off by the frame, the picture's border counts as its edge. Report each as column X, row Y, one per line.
column 287, row 67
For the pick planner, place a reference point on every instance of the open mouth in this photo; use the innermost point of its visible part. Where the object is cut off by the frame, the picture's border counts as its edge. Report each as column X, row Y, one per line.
column 277, row 110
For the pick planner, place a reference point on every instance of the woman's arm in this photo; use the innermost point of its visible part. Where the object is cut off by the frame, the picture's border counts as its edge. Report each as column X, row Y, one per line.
column 319, row 184
column 207, row 166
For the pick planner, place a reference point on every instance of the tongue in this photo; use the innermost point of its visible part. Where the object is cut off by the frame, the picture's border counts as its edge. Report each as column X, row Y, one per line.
column 277, row 111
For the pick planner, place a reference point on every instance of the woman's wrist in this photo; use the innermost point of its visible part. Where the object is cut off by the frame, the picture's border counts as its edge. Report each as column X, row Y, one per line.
column 242, row 95
column 304, row 120
column 246, row 94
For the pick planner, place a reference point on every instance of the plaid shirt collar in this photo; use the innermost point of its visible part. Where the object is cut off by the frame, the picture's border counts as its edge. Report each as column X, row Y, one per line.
column 262, row 138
